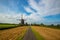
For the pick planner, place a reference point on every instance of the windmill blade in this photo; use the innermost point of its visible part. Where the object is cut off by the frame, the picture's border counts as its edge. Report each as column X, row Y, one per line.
column 10, row 18
column 23, row 19
column 19, row 19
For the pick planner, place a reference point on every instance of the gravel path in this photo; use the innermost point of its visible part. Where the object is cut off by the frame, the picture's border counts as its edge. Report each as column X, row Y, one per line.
column 29, row 35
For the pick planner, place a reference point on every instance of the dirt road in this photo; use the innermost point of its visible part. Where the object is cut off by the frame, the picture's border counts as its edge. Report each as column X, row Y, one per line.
column 29, row 35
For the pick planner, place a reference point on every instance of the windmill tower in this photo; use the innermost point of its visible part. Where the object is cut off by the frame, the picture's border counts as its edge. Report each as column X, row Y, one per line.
column 22, row 20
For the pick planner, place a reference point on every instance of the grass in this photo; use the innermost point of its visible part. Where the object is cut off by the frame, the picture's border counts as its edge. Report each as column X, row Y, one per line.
column 6, row 26
column 38, row 36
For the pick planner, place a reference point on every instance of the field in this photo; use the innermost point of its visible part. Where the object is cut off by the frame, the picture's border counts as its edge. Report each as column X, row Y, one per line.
column 15, row 32
column 12, row 34
column 48, row 33
column 6, row 26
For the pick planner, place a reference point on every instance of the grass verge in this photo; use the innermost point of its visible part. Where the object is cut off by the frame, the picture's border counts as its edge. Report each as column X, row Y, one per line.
column 38, row 36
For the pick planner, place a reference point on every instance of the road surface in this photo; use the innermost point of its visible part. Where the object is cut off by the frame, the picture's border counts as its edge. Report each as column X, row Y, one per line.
column 29, row 35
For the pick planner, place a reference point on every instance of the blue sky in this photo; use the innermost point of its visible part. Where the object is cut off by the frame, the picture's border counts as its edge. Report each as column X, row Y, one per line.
column 34, row 11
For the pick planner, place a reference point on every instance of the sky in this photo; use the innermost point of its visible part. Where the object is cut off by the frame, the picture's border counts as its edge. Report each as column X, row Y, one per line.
column 34, row 11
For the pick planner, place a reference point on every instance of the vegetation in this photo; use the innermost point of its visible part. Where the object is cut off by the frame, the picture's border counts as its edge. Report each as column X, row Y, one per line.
column 47, row 33
column 50, row 26
column 38, row 36
column 7, row 26
column 53, row 26
column 21, row 36
column 12, row 34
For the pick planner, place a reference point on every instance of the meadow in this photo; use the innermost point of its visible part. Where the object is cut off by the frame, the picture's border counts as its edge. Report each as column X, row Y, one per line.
column 7, row 26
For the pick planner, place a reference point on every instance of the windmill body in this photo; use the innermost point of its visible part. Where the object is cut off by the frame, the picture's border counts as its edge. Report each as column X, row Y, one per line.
column 22, row 20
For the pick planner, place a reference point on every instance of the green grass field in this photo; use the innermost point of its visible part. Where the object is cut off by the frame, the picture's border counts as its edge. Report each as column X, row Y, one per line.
column 5, row 26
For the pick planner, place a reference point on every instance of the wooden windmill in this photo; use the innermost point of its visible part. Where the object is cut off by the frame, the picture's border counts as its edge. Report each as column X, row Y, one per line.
column 22, row 20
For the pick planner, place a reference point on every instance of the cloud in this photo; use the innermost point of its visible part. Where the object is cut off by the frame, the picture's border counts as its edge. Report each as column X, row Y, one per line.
column 9, row 16
column 28, row 9
column 46, row 7
column 9, row 13
column 33, row 17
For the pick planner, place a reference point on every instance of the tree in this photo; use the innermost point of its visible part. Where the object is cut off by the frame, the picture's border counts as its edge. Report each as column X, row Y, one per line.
column 42, row 24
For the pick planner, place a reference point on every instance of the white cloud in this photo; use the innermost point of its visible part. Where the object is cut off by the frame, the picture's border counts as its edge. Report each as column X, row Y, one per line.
column 28, row 9
column 11, row 17
column 33, row 4
column 8, row 18
column 50, row 7
column 43, row 8
column 33, row 17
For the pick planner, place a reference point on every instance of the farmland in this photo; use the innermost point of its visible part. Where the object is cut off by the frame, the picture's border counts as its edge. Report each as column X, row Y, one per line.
column 48, row 33
column 12, row 34
column 16, row 32
column 6, row 26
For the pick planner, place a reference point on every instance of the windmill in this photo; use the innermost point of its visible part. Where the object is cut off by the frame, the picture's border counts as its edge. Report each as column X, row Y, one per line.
column 22, row 20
